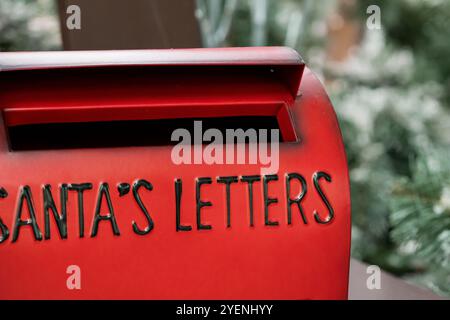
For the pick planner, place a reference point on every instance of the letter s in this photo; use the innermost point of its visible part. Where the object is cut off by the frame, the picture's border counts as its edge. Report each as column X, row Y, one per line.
column 136, row 186
column 316, row 177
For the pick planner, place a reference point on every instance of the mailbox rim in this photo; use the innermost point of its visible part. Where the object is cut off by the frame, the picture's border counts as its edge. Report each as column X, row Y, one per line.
column 232, row 56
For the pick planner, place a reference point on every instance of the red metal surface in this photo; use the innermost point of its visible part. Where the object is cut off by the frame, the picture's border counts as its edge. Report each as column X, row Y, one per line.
column 296, row 261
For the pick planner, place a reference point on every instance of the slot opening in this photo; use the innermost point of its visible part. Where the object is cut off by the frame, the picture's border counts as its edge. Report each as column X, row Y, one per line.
column 126, row 133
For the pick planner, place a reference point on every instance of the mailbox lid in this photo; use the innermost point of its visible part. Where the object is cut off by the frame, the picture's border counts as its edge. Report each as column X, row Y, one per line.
column 88, row 86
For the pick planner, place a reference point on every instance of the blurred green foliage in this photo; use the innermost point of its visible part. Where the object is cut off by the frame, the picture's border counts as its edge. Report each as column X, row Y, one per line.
column 421, row 26
column 28, row 25
column 411, row 172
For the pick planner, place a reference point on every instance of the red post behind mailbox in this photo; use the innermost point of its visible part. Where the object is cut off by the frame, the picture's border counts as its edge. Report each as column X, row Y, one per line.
column 93, row 205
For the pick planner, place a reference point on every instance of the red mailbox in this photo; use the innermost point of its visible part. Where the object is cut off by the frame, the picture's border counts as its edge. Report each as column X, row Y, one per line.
column 93, row 205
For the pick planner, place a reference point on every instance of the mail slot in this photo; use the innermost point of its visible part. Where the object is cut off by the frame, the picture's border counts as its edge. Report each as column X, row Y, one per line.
column 93, row 205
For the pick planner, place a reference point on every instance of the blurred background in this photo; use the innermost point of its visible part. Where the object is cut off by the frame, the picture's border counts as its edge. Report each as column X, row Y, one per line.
column 389, row 83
